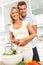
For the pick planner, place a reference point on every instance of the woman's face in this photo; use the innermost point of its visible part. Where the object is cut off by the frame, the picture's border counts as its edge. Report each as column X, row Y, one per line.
column 15, row 14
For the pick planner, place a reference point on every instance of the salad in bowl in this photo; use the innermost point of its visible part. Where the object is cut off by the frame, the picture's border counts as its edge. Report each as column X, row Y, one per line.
column 12, row 58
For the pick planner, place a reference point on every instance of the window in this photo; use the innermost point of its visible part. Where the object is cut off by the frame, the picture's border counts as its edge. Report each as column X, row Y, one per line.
column 37, row 6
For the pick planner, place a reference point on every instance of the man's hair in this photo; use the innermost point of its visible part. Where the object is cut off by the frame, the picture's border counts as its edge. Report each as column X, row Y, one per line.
column 21, row 3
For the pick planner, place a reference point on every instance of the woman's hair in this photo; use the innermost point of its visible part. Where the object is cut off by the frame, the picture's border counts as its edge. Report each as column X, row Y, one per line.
column 11, row 14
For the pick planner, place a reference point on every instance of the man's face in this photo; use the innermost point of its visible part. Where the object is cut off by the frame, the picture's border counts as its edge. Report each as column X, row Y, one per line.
column 22, row 10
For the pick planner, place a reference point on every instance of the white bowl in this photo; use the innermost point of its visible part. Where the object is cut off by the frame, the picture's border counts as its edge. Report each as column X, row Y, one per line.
column 13, row 59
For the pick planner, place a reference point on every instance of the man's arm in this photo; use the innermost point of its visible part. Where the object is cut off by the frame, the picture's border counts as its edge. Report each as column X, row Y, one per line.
column 26, row 40
column 35, row 28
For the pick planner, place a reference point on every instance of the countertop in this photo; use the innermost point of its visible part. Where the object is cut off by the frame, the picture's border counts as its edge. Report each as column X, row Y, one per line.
column 1, row 63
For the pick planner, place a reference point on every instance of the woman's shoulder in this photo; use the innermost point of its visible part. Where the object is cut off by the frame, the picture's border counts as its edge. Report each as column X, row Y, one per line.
column 10, row 26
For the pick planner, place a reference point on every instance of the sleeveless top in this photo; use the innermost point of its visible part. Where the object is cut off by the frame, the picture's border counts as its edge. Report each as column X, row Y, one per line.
column 21, row 33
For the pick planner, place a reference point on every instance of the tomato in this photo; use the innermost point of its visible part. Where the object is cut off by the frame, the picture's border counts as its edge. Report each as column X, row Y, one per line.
column 35, row 63
column 32, row 63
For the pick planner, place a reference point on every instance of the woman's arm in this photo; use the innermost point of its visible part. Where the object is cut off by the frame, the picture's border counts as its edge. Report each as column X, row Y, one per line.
column 26, row 40
column 12, row 38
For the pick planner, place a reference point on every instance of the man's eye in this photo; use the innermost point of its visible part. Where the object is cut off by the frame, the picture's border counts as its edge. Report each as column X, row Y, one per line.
column 20, row 9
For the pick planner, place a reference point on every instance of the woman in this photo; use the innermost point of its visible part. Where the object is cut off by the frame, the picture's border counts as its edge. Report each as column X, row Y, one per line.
column 19, row 32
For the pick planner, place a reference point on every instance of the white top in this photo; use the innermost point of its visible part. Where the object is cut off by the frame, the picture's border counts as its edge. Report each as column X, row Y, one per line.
column 21, row 33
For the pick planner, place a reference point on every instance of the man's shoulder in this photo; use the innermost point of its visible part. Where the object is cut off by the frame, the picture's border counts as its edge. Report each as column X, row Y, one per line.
column 30, row 15
column 31, row 18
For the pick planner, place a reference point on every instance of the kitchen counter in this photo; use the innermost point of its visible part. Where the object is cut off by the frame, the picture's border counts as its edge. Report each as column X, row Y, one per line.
column 1, row 63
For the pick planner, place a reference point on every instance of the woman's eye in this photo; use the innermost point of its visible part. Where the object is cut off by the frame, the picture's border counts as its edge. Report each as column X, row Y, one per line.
column 16, row 12
column 12, row 13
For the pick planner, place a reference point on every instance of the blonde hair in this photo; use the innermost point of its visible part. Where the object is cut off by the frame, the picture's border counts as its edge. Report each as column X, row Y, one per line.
column 11, row 14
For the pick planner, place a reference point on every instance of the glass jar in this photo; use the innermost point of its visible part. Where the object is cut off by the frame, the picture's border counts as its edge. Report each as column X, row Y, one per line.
column 8, row 48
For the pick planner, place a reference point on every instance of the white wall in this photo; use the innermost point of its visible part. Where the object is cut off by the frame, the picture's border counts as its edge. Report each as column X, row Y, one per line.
column 3, row 2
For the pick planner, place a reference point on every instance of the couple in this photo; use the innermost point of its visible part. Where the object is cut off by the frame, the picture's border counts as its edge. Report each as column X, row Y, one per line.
column 21, row 32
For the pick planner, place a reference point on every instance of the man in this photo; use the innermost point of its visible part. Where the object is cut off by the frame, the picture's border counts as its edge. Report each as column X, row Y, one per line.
column 28, row 17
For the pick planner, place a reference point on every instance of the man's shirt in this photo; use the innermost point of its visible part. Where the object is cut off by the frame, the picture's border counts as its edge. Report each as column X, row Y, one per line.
column 32, row 19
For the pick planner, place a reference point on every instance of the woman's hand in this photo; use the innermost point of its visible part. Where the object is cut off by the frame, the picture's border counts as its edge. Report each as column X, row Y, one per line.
column 22, row 42
column 15, row 41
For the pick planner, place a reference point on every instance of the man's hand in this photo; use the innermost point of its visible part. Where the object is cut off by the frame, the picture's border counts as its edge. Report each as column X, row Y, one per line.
column 15, row 41
column 22, row 42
